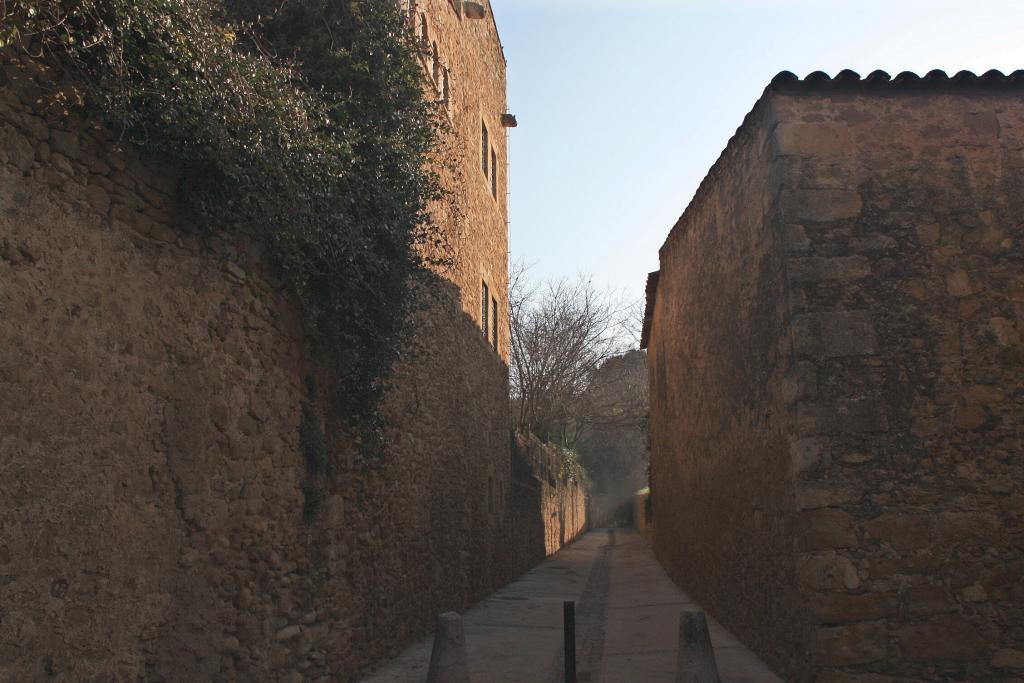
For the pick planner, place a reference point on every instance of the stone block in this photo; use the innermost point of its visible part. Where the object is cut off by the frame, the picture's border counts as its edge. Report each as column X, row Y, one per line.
column 1004, row 331
column 795, row 238
column 902, row 531
column 801, row 382
column 845, row 416
column 18, row 149
column 959, row 284
column 98, row 198
column 819, row 269
column 862, row 643
column 66, row 143
column 820, row 205
column 928, row 234
column 860, row 415
column 983, row 125
column 838, row 334
column 926, row 600
column 969, row 527
column 812, row 139
column 829, row 495
column 974, row 593
column 947, row 638
column 970, row 418
column 843, row 608
column 826, row 572
column 827, row 529
column 1006, row 658
column 805, row 454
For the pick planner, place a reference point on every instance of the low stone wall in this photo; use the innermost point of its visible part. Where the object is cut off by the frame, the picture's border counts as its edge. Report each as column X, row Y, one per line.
column 546, row 503
column 151, row 390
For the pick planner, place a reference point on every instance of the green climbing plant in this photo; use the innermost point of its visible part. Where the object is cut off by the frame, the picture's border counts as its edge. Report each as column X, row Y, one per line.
column 302, row 124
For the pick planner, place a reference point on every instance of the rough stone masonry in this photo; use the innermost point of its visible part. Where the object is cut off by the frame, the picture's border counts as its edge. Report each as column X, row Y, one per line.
column 837, row 380
column 151, row 393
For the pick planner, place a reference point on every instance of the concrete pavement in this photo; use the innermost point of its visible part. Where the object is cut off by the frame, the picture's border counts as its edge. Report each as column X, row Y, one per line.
column 627, row 623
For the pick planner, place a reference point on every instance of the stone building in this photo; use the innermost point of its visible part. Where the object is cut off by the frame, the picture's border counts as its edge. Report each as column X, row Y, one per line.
column 464, row 65
column 151, row 392
column 837, row 373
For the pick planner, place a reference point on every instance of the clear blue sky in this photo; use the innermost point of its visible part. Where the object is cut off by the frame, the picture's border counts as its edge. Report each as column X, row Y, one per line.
column 624, row 105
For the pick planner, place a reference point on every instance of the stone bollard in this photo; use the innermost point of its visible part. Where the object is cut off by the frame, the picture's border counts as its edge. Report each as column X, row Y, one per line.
column 448, row 658
column 696, row 659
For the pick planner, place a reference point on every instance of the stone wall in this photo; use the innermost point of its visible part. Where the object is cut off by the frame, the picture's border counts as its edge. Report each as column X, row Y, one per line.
column 470, row 50
column 896, row 210
column 151, row 391
column 550, row 507
column 904, row 218
column 720, row 365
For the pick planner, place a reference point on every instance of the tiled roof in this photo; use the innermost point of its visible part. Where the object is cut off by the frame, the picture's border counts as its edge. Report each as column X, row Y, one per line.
column 819, row 82
column 936, row 79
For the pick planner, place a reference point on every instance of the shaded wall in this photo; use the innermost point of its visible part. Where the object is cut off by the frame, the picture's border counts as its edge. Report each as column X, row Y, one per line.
column 550, row 507
column 904, row 217
column 151, row 384
column 836, row 369
column 721, row 419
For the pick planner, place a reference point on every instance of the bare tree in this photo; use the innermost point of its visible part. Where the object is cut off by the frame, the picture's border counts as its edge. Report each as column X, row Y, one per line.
column 633, row 320
column 562, row 333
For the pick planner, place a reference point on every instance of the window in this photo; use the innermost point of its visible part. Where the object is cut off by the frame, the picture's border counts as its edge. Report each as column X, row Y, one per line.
column 485, row 145
column 435, row 66
column 494, row 323
column 494, row 174
column 445, row 85
column 484, row 300
column 424, row 33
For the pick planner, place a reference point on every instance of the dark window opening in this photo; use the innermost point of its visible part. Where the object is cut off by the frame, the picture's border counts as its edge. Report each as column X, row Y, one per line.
column 494, row 323
column 485, row 145
column 484, row 299
column 435, row 68
column 494, row 174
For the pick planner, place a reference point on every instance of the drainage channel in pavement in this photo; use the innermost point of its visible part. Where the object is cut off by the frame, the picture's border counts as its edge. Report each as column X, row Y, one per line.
column 591, row 616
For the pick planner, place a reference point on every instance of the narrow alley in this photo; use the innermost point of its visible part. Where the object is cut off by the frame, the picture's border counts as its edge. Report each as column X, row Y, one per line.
column 627, row 623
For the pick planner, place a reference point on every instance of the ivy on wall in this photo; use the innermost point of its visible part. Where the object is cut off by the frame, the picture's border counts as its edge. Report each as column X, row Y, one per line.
column 303, row 124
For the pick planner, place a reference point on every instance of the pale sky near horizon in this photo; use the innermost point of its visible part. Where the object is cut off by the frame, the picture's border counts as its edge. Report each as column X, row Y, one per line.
column 624, row 105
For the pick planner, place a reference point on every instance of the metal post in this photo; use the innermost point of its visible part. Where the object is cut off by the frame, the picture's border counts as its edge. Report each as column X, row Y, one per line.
column 569, row 624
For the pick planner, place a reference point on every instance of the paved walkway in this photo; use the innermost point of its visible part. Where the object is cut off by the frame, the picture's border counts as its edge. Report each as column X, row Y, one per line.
column 627, row 613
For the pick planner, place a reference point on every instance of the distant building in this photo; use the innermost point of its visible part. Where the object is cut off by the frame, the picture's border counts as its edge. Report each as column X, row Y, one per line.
column 837, row 373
